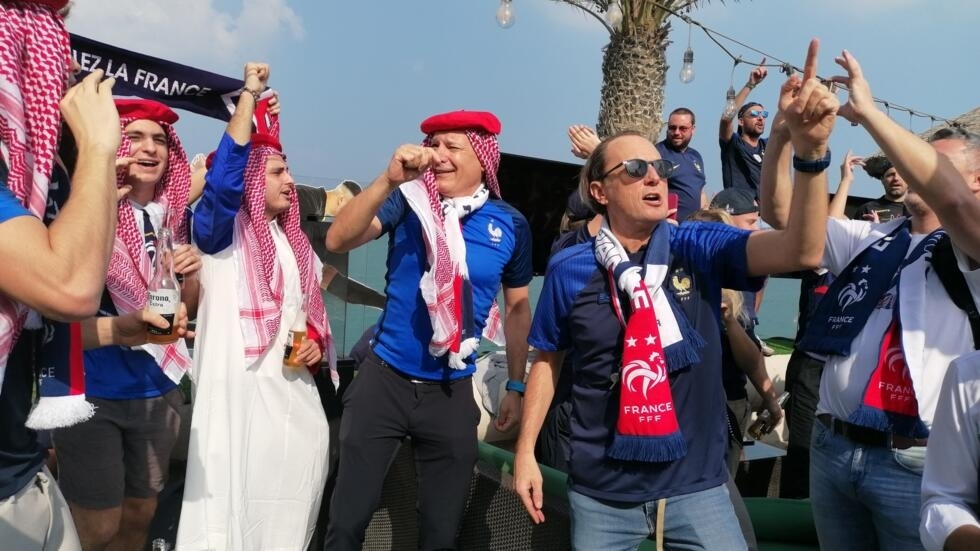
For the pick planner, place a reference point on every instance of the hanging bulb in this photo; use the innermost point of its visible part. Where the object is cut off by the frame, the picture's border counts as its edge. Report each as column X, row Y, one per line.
column 614, row 15
column 505, row 15
column 687, row 70
column 730, row 107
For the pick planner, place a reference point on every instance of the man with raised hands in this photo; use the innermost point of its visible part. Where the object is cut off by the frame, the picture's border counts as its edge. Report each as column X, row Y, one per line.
column 890, row 324
column 944, row 171
column 637, row 307
column 257, row 461
column 453, row 243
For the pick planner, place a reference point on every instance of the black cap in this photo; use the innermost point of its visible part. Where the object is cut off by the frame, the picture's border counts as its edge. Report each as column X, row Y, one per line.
column 576, row 209
column 735, row 201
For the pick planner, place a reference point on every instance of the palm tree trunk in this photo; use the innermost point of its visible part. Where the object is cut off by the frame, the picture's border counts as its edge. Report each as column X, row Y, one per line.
column 634, row 70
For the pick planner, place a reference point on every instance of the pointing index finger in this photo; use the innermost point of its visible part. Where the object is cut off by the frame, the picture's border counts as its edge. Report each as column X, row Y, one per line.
column 810, row 66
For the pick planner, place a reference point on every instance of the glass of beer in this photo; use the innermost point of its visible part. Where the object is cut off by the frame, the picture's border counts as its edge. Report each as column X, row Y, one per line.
column 296, row 336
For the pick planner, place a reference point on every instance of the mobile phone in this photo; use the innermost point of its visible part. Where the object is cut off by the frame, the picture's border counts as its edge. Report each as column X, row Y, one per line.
column 672, row 200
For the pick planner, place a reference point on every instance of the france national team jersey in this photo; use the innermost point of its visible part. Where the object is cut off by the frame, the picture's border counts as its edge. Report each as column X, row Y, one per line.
column 498, row 252
column 574, row 313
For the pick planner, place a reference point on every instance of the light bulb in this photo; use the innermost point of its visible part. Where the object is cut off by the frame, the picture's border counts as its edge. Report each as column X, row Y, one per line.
column 614, row 15
column 687, row 70
column 505, row 15
column 730, row 108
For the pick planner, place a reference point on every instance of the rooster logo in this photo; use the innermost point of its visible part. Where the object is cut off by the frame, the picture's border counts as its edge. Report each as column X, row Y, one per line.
column 496, row 233
column 852, row 293
column 649, row 375
column 681, row 285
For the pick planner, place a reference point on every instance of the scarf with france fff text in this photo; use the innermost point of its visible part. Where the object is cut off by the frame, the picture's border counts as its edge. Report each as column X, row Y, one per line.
column 658, row 340
column 889, row 403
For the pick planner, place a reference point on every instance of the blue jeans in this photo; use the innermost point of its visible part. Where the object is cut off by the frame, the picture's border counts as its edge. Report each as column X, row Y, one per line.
column 864, row 497
column 699, row 520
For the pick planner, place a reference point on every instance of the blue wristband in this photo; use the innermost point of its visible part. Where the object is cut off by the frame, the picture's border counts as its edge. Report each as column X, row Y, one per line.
column 516, row 386
column 818, row 165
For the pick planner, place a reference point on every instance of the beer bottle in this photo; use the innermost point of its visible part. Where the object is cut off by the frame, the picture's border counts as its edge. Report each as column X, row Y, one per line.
column 163, row 291
column 296, row 336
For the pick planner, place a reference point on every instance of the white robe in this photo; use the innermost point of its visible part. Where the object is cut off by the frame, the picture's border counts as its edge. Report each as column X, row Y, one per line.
column 257, row 461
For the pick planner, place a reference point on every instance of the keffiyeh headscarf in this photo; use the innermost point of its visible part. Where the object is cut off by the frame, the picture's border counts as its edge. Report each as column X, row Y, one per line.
column 261, row 298
column 130, row 268
column 34, row 62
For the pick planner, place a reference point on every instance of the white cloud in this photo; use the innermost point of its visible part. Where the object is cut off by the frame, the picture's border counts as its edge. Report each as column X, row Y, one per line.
column 564, row 15
column 195, row 32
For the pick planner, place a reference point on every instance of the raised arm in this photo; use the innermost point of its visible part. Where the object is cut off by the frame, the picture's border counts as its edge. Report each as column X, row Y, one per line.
column 60, row 270
column 726, row 125
column 839, row 201
column 357, row 223
column 775, row 184
column 949, row 192
column 810, row 110
column 225, row 182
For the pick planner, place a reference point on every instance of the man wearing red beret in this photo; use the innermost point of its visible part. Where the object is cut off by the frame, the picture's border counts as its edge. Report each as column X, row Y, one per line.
column 113, row 465
column 53, row 249
column 452, row 244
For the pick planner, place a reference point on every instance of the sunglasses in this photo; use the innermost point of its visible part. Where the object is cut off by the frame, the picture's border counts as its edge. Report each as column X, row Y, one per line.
column 637, row 168
column 673, row 128
column 757, row 113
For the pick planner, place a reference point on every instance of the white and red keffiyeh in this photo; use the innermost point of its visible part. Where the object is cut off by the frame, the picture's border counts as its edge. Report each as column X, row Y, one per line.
column 130, row 268
column 34, row 62
column 260, row 293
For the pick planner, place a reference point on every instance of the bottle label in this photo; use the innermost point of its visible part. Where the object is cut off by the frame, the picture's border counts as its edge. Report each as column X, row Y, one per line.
column 163, row 302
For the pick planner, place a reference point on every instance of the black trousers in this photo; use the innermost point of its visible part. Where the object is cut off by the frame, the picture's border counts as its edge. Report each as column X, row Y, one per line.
column 381, row 408
column 803, row 384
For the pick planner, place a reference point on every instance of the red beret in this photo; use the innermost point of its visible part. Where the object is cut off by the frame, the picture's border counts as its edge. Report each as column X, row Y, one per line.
column 462, row 120
column 140, row 109
column 55, row 5
column 260, row 139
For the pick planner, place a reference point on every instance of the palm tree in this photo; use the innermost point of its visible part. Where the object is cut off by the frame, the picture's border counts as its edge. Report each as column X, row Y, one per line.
column 634, row 66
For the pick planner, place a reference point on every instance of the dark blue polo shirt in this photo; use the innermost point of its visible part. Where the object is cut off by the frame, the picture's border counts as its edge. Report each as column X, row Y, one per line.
column 688, row 178
column 741, row 164
column 498, row 252
column 574, row 313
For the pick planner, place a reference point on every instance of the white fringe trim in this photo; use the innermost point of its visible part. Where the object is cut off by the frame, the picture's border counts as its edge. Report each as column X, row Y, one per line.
column 59, row 411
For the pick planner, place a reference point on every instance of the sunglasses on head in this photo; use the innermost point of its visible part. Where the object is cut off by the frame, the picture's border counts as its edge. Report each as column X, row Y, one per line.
column 758, row 113
column 637, row 168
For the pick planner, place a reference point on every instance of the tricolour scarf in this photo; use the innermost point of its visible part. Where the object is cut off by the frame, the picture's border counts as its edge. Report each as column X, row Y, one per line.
column 130, row 268
column 889, row 403
column 260, row 293
column 445, row 285
column 34, row 61
column 658, row 340
column 851, row 298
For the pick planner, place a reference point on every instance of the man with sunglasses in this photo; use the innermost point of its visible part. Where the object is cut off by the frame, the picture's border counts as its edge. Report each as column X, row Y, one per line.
column 636, row 308
column 688, row 178
column 743, row 148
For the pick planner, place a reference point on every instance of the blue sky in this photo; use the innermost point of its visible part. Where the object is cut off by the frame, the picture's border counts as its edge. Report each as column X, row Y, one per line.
column 356, row 77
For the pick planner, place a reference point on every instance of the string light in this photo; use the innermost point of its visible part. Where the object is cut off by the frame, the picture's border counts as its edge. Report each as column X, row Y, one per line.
column 687, row 69
column 788, row 68
column 613, row 21
column 505, row 15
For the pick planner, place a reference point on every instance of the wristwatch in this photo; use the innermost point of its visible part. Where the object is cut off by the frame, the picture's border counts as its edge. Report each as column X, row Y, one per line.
column 516, row 386
column 818, row 165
